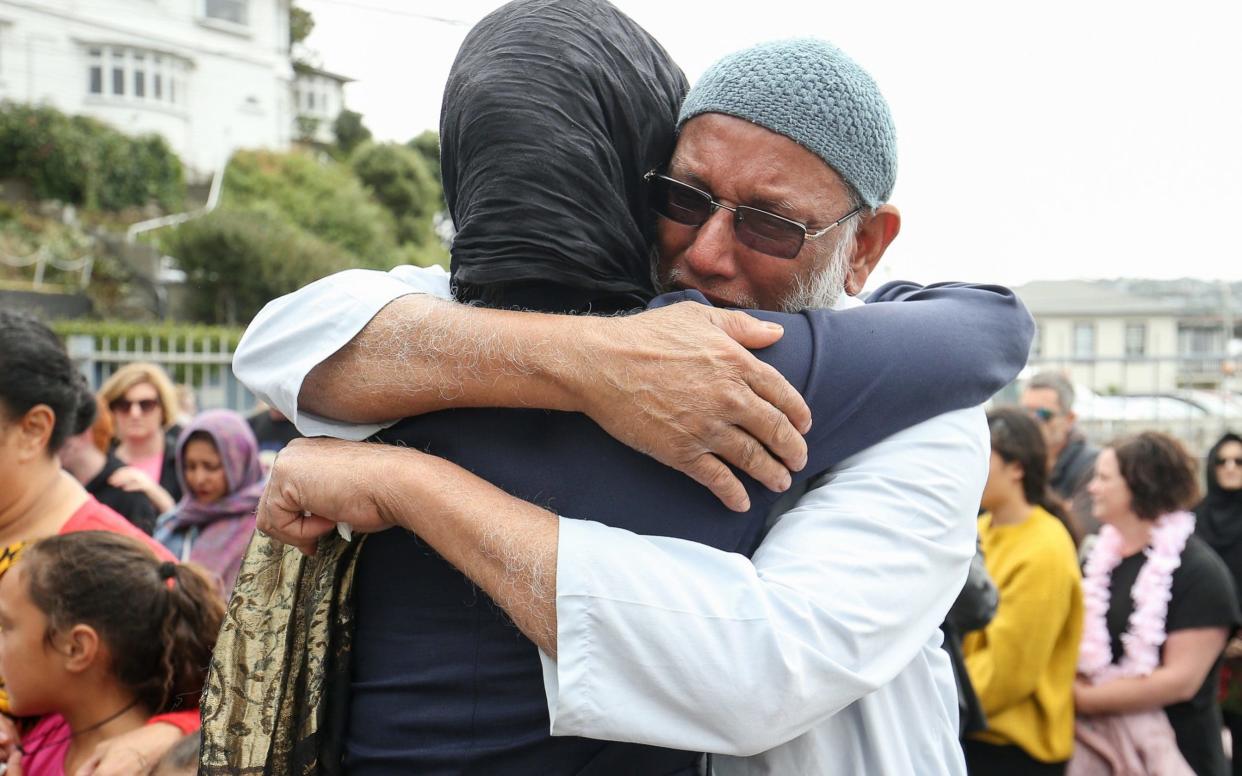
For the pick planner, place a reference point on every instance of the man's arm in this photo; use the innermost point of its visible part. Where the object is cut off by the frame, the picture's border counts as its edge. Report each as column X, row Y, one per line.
column 678, row 383
column 673, row 643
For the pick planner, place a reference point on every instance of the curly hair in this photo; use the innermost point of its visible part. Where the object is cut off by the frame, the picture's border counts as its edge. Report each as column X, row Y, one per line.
column 1161, row 475
column 159, row 619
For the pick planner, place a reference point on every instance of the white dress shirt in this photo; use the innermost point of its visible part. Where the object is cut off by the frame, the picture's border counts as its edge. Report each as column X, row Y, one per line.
column 819, row 655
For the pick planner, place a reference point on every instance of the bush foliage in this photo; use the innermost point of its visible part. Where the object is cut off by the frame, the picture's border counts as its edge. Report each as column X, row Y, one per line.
column 85, row 162
column 399, row 179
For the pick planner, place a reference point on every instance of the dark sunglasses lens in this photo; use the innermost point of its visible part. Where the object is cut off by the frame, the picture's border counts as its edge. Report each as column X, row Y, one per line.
column 148, row 405
column 1234, row 461
column 768, row 234
column 680, row 203
column 120, row 405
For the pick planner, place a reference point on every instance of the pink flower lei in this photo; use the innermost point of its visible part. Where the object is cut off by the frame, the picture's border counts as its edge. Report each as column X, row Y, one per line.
column 1151, row 592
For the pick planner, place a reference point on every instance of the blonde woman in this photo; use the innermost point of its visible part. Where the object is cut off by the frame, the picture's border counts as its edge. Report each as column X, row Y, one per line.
column 143, row 404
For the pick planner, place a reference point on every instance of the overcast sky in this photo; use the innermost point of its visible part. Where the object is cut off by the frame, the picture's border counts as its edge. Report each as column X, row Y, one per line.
column 1037, row 140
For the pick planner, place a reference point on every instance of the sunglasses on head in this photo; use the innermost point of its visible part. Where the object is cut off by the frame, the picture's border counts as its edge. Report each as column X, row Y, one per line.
column 123, row 406
column 1234, row 461
column 757, row 229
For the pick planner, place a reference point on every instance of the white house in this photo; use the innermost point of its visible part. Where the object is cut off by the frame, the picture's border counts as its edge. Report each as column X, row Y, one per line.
column 1134, row 337
column 318, row 96
column 210, row 76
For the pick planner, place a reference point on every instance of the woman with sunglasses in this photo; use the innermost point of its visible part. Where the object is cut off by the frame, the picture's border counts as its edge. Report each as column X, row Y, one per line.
column 144, row 411
column 1218, row 521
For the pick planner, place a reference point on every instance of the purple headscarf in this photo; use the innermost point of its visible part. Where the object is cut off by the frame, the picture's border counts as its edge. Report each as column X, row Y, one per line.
column 216, row 534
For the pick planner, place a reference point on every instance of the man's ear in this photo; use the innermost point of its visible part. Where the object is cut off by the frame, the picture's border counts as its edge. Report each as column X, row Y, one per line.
column 873, row 238
column 81, row 648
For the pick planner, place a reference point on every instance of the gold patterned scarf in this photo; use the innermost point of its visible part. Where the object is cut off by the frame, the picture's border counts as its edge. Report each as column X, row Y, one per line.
column 277, row 688
column 8, row 556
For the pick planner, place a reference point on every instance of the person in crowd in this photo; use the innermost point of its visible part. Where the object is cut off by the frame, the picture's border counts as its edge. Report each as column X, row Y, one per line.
column 40, row 392
column 219, row 472
column 97, row 636
column 1159, row 606
column 584, row 242
column 144, row 412
column 1022, row 663
column 88, row 456
column 1049, row 398
column 1218, row 521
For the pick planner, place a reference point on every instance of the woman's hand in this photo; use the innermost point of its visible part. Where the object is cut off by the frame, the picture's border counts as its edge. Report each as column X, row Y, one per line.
column 1233, row 651
column 131, row 753
column 134, row 480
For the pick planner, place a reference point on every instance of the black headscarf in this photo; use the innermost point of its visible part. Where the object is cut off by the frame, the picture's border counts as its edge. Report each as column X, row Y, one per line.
column 553, row 111
column 1218, row 518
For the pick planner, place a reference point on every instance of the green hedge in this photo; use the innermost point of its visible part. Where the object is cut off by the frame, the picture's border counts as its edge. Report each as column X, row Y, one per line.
column 133, row 335
column 400, row 179
column 83, row 161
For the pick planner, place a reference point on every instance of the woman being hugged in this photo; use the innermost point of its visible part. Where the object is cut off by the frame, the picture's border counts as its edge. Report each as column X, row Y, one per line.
column 97, row 635
column 219, row 472
column 1022, row 664
column 1159, row 606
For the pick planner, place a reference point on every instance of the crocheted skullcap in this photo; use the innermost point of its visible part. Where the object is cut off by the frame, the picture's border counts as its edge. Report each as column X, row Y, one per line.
column 812, row 93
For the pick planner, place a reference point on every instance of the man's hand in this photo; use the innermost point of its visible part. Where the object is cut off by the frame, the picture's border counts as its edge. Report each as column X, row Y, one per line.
column 317, row 483
column 679, row 384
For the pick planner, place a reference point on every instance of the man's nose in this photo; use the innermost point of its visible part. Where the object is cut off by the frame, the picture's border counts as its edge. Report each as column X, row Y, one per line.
column 714, row 250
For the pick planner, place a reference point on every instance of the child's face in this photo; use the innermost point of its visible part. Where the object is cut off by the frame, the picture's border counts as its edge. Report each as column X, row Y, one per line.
column 28, row 663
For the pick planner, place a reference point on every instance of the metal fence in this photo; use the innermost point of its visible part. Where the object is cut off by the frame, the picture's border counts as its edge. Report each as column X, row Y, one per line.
column 204, row 363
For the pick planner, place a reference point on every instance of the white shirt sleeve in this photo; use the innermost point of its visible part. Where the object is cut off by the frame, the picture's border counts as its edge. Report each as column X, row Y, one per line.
column 672, row 643
column 295, row 333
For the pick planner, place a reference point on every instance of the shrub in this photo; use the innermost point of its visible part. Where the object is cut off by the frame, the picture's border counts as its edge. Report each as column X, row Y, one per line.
column 83, row 161
column 320, row 196
column 399, row 179
column 237, row 260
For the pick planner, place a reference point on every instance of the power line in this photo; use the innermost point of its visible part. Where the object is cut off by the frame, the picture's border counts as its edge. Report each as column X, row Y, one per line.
column 395, row 12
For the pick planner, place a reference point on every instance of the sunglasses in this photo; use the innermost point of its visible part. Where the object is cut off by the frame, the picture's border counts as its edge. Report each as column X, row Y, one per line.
column 1041, row 414
column 1234, row 461
column 757, row 229
column 123, row 406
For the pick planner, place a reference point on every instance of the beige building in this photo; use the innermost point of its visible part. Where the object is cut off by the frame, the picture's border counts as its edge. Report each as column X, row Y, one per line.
column 1134, row 337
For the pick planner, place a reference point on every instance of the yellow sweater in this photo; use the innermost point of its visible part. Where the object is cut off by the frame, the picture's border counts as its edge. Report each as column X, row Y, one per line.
column 1023, row 663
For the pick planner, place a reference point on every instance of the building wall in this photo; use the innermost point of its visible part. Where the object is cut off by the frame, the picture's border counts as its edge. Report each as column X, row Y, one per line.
column 232, row 81
column 1107, row 367
column 320, row 98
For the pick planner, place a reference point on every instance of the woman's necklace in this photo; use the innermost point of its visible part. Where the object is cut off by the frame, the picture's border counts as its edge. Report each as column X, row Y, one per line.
column 45, row 744
column 1151, row 593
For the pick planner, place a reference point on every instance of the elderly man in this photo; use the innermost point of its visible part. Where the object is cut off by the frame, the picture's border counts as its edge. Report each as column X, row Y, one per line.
column 821, row 654
column 1049, row 398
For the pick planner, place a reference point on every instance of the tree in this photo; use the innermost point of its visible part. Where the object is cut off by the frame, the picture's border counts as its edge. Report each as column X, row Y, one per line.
column 427, row 145
column 349, row 130
column 399, row 180
column 300, row 25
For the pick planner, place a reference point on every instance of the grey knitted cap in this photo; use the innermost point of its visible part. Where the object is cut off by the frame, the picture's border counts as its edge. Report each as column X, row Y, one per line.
column 812, row 93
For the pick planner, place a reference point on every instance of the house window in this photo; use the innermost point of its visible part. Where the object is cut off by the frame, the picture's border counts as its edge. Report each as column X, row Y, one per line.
column 132, row 73
column 94, row 74
column 1136, row 339
column 1084, row 340
column 140, row 74
column 233, row 11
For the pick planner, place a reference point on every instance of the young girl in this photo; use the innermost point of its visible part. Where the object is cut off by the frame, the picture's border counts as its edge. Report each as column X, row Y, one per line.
column 218, row 465
column 96, row 636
